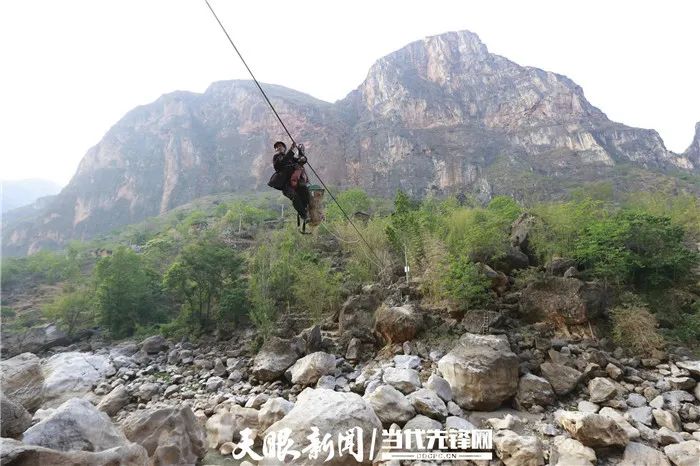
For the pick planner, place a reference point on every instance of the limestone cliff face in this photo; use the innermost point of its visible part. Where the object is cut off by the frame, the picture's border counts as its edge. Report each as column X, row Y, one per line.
column 440, row 115
column 692, row 153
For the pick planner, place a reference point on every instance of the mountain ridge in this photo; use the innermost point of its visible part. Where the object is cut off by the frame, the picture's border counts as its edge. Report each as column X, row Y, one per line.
column 440, row 115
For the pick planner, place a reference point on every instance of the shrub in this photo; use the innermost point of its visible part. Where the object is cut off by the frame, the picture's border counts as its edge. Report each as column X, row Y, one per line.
column 352, row 200
column 73, row 311
column 637, row 248
column 558, row 226
column 317, row 289
column 463, row 283
column 635, row 328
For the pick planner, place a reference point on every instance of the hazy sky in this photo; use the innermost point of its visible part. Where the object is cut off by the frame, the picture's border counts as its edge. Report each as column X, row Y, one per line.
column 72, row 68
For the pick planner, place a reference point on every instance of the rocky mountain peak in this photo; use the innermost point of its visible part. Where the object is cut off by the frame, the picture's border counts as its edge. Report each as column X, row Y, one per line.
column 692, row 153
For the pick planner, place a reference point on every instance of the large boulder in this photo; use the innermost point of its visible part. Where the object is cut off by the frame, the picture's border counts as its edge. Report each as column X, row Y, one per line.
column 481, row 370
column 114, row 401
column 228, row 422
column 34, row 340
column 428, row 403
column 592, row 430
column 601, row 389
column 390, row 405
column 567, row 301
column 75, row 425
column 16, row 453
column 563, row 379
column 684, row 453
column 356, row 317
column 405, row 380
column 275, row 357
column 22, row 380
column 154, row 344
column 638, row 454
column 69, row 375
column 14, row 418
column 570, row 452
column 272, row 411
column 516, row 450
column 520, row 232
column 169, row 435
column 398, row 323
column 332, row 413
column 310, row 368
column 533, row 390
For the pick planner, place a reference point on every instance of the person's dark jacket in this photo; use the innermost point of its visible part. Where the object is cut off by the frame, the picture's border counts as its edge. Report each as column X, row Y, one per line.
column 284, row 165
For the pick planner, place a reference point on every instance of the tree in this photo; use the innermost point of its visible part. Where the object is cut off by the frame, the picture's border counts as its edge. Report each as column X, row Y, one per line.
column 127, row 292
column 205, row 271
column 353, row 200
column 73, row 310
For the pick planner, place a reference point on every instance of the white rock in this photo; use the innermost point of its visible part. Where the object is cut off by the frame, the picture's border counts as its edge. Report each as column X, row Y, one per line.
column 72, row 375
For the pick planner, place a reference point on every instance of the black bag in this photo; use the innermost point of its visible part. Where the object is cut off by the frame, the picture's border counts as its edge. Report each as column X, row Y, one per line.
column 277, row 181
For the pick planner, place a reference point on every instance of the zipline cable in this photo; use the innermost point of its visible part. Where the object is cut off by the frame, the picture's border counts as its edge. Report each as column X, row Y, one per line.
column 347, row 217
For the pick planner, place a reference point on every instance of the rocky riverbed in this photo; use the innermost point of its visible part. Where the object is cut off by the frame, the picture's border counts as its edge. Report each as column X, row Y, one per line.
column 548, row 401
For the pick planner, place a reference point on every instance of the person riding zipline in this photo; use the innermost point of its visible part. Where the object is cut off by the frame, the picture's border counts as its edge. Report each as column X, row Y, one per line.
column 290, row 177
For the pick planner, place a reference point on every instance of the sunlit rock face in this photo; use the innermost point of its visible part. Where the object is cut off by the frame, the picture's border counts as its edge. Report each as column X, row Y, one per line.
column 441, row 115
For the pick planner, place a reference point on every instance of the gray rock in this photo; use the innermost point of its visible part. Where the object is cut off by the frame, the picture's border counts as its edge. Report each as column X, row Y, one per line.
column 276, row 356
column 219, row 368
column 533, row 390
column 310, row 368
column 69, row 375
column 684, row 453
column 427, row 402
column 22, row 380
column 638, row 454
column 641, row 414
column 146, row 391
column 570, row 452
column 421, row 422
column 667, row 419
column 592, row 430
column 673, row 399
column 439, row 386
column 272, row 411
column 20, row 454
column 666, row 436
column 636, row 400
column 405, row 380
column 405, row 361
column 75, row 425
column 481, row 370
column 15, row 419
column 353, row 351
column 516, row 450
column 632, row 432
column 214, row 383
column 333, row 413
column 114, row 401
column 454, row 409
column 458, row 423
column 601, row 389
column 692, row 366
column 390, row 405
column 326, row 381
column 562, row 378
column 588, row 407
column 154, row 344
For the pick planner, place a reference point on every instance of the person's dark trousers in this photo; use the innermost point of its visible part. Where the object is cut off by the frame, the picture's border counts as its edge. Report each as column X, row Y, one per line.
column 300, row 198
